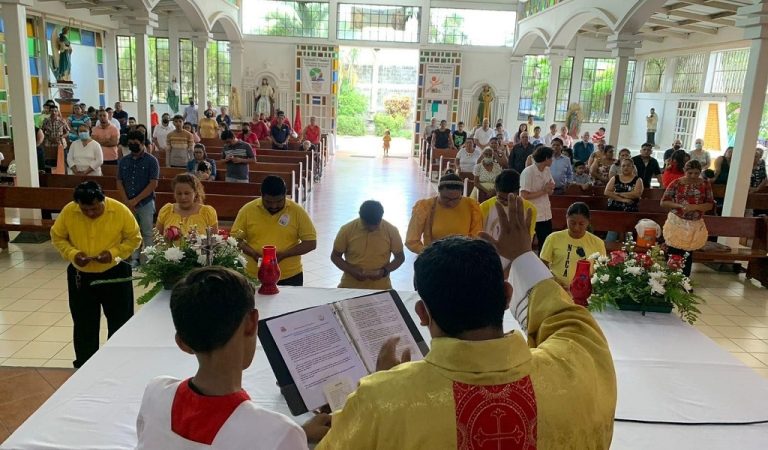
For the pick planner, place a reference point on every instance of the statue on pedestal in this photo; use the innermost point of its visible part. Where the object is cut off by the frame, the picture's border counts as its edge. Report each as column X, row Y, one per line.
column 61, row 61
column 484, row 107
column 573, row 119
column 265, row 99
column 173, row 95
column 234, row 104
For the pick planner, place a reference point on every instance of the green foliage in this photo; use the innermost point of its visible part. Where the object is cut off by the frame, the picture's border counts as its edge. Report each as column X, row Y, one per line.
column 307, row 20
column 450, row 32
column 352, row 102
column 350, row 125
column 398, row 105
column 732, row 112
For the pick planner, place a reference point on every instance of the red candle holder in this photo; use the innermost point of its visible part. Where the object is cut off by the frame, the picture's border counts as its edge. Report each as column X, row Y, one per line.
column 581, row 286
column 269, row 271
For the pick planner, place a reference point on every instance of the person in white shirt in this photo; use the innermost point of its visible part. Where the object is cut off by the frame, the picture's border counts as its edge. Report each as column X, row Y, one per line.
column 536, row 185
column 505, row 134
column 552, row 134
column 215, row 317
column 483, row 134
column 85, row 156
column 160, row 135
column 190, row 114
column 112, row 120
column 466, row 158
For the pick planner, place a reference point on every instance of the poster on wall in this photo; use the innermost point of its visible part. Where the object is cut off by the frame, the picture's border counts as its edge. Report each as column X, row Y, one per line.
column 316, row 75
column 438, row 81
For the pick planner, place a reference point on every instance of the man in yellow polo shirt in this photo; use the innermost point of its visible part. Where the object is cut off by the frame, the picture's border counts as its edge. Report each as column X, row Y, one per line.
column 96, row 235
column 507, row 182
column 275, row 220
column 363, row 248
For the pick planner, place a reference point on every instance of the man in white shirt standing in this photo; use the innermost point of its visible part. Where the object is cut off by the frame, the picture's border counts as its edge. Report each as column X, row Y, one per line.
column 112, row 120
column 160, row 135
column 536, row 185
column 552, row 134
column 190, row 114
column 483, row 134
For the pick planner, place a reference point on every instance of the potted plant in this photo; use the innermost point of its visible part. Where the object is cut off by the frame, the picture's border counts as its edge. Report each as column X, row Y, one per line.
column 646, row 281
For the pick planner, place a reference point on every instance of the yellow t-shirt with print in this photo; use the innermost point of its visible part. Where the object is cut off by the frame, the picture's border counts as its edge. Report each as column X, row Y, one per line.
column 562, row 252
column 285, row 230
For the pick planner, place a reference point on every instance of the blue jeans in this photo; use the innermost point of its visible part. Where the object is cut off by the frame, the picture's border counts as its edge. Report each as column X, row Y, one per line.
column 145, row 215
column 234, row 180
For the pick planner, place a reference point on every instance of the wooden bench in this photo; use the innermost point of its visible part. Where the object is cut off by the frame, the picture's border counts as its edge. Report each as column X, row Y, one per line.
column 754, row 228
column 164, row 184
column 600, row 203
column 440, row 161
column 599, row 191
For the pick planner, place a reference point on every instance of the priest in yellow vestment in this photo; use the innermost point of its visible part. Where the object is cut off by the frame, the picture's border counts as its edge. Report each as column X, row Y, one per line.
column 478, row 388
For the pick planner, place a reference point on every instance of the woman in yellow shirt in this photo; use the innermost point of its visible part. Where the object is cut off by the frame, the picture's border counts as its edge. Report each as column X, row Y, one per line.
column 447, row 214
column 209, row 129
column 188, row 211
column 562, row 250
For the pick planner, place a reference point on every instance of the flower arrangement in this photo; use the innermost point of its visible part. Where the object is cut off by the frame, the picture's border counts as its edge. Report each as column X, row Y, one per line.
column 643, row 280
column 173, row 255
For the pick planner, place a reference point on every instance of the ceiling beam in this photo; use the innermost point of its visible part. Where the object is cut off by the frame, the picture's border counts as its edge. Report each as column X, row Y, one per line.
column 665, row 32
column 672, row 24
column 712, row 18
column 711, row 4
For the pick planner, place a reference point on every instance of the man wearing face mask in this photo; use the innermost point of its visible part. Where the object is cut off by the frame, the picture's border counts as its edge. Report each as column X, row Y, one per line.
column 107, row 136
column 676, row 145
column 137, row 178
column 275, row 220
column 160, row 135
column 190, row 114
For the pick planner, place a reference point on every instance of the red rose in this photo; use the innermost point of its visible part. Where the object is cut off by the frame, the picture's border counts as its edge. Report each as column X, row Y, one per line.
column 675, row 262
column 224, row 234
column 617, row 257
column 172, row 233
column 644, row 260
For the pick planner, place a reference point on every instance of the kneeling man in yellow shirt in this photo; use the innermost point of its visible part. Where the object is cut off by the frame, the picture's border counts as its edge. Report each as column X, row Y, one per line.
column 363, row 248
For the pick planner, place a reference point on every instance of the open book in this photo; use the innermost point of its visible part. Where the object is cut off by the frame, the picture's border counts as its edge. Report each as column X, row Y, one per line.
column 319, row 354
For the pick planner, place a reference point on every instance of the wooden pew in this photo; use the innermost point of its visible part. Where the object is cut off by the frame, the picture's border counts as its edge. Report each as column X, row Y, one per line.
column 650, row 193
column 755, row 228
column 226, row 206
column 440, row 161
column 601, row 203
column 164, row 184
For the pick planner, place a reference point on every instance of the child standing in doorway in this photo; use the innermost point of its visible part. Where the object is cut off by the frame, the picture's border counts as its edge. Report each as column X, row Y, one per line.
column 387, row 140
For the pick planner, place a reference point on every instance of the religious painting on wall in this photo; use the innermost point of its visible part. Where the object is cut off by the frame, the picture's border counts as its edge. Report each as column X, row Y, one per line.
column 438, row 81
column 316, row 75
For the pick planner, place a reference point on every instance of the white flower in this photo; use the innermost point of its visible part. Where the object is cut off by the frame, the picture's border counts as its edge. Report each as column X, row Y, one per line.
column 202, row 260
column 595, row 279
column 630, row 261
column 656, row 287
column 174, row 254
column 594, row 256
column 218, row 238
column 148, row 250
column 656, row 275
column 634, row 270
column 118, row 259
column 603, row 259
column 605, row 278
column 687, row 285
column 241, row 259
column 232, row 241
column 618, row 279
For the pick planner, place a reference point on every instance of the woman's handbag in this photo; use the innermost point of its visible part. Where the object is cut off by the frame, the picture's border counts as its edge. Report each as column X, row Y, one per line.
column 685, row 234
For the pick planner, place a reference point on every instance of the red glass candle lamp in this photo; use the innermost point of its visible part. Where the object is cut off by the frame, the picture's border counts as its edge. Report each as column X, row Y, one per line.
column 269, row 271
column 581, row 286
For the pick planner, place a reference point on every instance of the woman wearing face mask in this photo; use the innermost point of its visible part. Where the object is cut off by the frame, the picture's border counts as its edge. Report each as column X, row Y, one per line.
column 209, row 129
column 699, row 154
column 198, row 156
column 485, row 172
column 85, row 156
column 188, row 210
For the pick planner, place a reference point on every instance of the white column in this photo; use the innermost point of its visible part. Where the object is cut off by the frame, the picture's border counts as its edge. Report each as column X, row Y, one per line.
column 20, row 92
column 515, row 79
column 110, row 68
column 577, row 74
column 236, row 74
column 201, row 72
column 755, row 28
column 173, row 51
column 623, row 47
column 555, row 63
column 142, row 72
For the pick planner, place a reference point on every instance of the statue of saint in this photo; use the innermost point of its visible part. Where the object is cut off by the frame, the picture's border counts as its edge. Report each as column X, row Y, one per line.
column 61, row 61
column 234, row 104
column 173, row 95
column 265, row 98
column 573, row 119
column 484, row 106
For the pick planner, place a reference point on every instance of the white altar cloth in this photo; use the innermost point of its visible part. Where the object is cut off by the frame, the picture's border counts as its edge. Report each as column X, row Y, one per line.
column 667, row 371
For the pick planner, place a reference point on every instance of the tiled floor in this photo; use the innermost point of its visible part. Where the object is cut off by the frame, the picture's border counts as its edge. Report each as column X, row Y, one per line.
column 36, row 328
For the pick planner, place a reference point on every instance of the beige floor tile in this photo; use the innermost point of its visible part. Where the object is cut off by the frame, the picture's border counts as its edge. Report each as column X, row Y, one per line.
column 728, row 310
column 25, row 305
column 749, row 360
column 8, row 348
column 28, row 282
column 67, row 353
column 55, row 334
column 23, row 332
column 14, row 292
column 56, row 283
column 40, row 350
column 728, row 344
column 4, row 327
column 752, row 345
column 755, row 311
column 42, row 318
column 762, row 371
column 7, row 301
column 60, row 363
column 715, row 319
column 746, row 321
column 66, row 321
column 763, row 357
column 733, row 332
column 759, row 332
column 708, row 331
column 43, row 294
column 12, row 317
column 55, row 306
column 24, row 362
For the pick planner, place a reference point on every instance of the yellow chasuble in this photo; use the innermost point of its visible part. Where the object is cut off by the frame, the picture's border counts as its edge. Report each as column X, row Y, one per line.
column 557, row 391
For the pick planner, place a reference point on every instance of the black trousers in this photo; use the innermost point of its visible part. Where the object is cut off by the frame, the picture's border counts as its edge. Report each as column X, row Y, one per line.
column 650, row 137
column 688, row 260
column 543, row 230
column 296, row 280
column 86, row 303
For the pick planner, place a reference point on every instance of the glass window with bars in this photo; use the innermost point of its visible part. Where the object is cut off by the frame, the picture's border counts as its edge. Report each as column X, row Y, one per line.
column 472, row 27
column 628, row 92
column 534, row 87
column 689, row 75
column 187, row 66
column 219, row 79
column 285, row 18
column 730, row 70
column 653, row 74
column 159, row 69
column 126, row 68
column 596, row 88
column 563, row 89
column 378, row 23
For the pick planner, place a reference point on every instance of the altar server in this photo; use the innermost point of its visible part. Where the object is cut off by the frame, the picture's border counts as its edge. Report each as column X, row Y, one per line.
column 478, row 388
column 214, row 314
